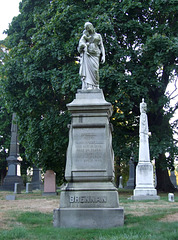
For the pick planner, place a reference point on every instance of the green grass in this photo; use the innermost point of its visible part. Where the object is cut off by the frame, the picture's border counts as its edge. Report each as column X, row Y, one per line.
column 141, row 226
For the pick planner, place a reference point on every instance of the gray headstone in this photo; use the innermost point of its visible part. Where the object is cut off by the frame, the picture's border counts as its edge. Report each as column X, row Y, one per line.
column 10, row 197
column 120, row 182
column 36, row 179
column 17, row 188
column 28, row 188
column 131, row 181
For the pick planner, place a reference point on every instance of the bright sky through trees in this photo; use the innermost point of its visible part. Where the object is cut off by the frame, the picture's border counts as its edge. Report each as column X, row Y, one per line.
column 8, row 10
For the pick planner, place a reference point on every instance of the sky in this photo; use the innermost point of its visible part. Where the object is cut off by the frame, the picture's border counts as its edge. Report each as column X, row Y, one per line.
column 10, row 9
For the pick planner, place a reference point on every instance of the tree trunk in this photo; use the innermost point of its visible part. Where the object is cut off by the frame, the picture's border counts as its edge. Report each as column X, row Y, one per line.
column 164, row 183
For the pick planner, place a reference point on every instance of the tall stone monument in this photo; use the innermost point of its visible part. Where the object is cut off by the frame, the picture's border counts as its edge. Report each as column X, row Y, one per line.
column 144, row 171
column 14, row 160
column 89, row 200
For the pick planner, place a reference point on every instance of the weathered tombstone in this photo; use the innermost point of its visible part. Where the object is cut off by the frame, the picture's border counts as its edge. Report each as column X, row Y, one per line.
column 171, row 197
column 14, row 160
column 131, row 181
column 28, row 188
column 10, row 197
column 17, row 188
column 120, row 182
column 145, row 189
column 36, row 179
column 173, row 179
column 49, row 183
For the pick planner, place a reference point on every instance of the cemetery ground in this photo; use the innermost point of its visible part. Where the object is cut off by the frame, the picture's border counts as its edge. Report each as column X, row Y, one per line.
column 30, row 217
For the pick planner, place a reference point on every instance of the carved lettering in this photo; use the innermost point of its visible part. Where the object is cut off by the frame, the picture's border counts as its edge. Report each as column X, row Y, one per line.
column 88, row 199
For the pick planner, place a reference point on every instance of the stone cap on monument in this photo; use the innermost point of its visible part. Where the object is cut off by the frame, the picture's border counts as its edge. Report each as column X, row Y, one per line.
column 90, row 99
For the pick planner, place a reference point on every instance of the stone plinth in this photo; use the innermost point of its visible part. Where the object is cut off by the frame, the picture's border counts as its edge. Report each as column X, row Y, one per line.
column 145, row 189
column 89, row 200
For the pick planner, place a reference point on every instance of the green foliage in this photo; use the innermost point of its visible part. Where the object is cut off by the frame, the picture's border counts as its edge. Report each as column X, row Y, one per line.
column 41, row 72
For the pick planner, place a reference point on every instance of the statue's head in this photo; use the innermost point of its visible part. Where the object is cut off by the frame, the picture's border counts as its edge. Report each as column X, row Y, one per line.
column 143, row 106
column 89, row 27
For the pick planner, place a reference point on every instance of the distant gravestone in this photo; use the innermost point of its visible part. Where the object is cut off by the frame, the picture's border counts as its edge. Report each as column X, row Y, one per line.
column 131, row 181
column 120, row 182
column 171, row 197
column 17, row 188
column 10, row 197
column 36, row 179
column 173, row 179
column 144, row 189
column 49, row 183
column 28, row 188
column 13, row 160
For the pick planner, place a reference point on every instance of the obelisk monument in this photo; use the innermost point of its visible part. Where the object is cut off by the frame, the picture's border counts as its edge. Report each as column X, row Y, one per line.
column 145, row 189
column 89, row 200
column 14, row 160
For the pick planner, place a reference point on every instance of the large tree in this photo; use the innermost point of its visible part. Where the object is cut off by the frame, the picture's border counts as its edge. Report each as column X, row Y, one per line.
column 41, row 74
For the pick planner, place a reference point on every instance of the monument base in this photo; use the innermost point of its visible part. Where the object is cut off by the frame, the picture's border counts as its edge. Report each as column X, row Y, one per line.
column 145, row 194
column 142, row 197
column 9, row 182
column 88, row 217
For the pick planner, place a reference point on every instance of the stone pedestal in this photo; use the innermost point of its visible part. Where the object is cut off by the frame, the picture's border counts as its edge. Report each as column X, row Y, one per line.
column 89, row 200
column 145, row 189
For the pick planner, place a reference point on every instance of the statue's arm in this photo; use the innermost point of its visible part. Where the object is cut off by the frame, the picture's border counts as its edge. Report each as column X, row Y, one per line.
column 102, row 50
column 82, row 45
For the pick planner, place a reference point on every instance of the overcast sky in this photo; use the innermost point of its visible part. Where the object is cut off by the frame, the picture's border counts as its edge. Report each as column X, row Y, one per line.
column 8, row 10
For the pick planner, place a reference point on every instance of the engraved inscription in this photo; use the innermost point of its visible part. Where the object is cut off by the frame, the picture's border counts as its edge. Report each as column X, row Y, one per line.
column 88, row 199
column 89, row 145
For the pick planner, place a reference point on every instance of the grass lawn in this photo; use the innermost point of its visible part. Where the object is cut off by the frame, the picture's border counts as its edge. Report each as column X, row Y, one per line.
column 30, row 217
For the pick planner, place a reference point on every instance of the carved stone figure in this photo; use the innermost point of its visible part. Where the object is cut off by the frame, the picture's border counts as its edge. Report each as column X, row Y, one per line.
column 90, row 49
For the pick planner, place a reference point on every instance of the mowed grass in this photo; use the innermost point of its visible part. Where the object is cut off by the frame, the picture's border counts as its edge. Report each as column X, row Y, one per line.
column 143, row 221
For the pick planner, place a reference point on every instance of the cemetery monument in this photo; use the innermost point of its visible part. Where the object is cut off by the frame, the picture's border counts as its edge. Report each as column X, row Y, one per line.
column 131, row 180
column 36, row 179
column 145, row 189
column 14, row 160
column 89, row 200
